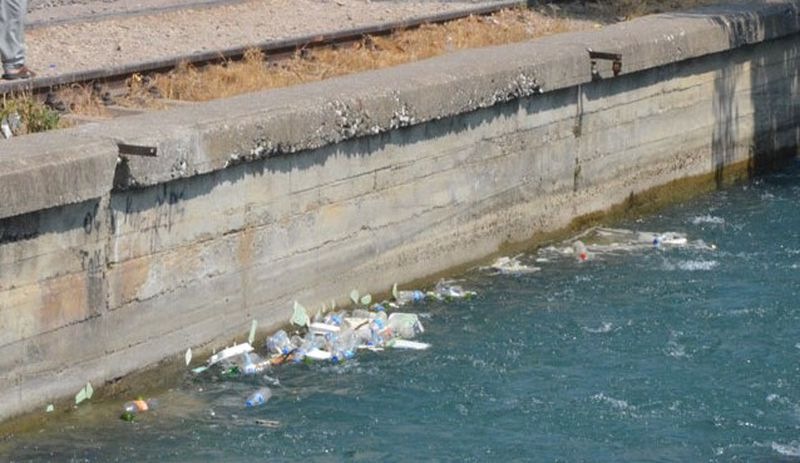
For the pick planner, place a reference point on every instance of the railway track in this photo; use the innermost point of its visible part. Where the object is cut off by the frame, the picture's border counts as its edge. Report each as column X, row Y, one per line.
column 115, row 77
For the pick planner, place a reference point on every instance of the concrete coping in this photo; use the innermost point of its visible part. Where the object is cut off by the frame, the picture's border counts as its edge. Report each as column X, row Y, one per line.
column 46, row 170
column 203, row 138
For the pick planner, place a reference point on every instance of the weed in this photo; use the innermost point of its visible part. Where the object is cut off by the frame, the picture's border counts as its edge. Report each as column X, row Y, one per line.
column 32, row 116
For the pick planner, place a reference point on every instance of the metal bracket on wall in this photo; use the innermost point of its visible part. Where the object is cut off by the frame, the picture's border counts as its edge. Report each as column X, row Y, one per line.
column 615, row 58
column 137, row 150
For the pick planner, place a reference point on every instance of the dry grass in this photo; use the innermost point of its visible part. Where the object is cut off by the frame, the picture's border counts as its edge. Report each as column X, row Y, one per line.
column 255, row 73
column 634, row 8
column 84, row 100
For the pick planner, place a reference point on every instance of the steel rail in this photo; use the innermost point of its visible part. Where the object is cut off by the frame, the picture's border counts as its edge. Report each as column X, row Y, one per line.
column 271, row 48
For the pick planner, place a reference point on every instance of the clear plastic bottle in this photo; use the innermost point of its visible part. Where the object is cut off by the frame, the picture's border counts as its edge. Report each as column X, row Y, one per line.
column 260, row 397
column 405, row 297
column 279, row 343
column 344, row 346
column 376, row 328
column 309, row 344
column 253, row 364
column 334, row 319
column 580, row 251
column 404, row 325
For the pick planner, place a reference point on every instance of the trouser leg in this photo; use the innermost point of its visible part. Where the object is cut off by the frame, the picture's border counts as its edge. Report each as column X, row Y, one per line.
column 12, row 41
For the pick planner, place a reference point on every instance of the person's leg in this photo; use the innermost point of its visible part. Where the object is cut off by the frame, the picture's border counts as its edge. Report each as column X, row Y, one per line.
column 12, row 38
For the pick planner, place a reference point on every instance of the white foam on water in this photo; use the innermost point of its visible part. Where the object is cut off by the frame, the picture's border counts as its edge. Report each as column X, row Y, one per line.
column 619, row 404
column 676, row 350
column 604, row 328
column 692, row 265
column 790, row 450
column 707, row 219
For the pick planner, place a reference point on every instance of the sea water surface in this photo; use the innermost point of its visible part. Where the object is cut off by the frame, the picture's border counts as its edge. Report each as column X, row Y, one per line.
column 658, row 354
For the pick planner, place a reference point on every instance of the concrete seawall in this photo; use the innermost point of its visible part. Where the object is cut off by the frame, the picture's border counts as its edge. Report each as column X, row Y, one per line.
column 111, row 261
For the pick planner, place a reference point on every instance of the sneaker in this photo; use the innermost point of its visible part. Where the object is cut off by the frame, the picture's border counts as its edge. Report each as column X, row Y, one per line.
column 21, row 72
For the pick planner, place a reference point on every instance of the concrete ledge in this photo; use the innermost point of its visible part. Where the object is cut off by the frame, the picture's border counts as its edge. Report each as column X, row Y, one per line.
column 202, row 139
column 52, row 169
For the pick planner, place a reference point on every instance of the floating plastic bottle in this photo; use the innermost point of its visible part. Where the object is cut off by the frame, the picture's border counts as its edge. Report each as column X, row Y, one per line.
column 580, row 251
column 311, row 343
column 404, row 325
column 334, row 319
column 343, row 346
column 280, row 343
column 405, row 297
column 258, row 398
column 253, row 364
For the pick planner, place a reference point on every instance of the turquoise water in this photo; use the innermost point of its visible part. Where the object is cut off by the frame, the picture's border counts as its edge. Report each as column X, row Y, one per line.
column 687, row 354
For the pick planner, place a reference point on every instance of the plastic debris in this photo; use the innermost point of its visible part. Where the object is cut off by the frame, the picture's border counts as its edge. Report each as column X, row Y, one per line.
column 446, row 290
column 188, row 356
column 406, row 344
column 6, row 129
column 229, row 352
column 402, row 298
column 279, row 343
column 333, row 336
column 50, row 409
column 253, row 364
column 272, row 424
column 85, row 393
column 260, row 397
column 580, row 251
column 252, row 338
column 354, row 296
column 132, row 408
column 300, row 315
column 512, row 265
column 602, row 240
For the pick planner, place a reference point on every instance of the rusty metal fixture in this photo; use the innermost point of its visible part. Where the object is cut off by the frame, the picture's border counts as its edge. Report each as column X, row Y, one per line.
column 137, row 150
column 615, row 58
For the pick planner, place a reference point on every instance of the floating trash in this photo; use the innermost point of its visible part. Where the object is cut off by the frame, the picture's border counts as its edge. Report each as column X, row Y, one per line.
column 259, row 397
column 134, row 407
column 402, row 298
column 598, row 241
column 330, row 336
column 511, row 265
column 580, row 251
column 447, row 290
column 272, row 424
column 230, row 352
